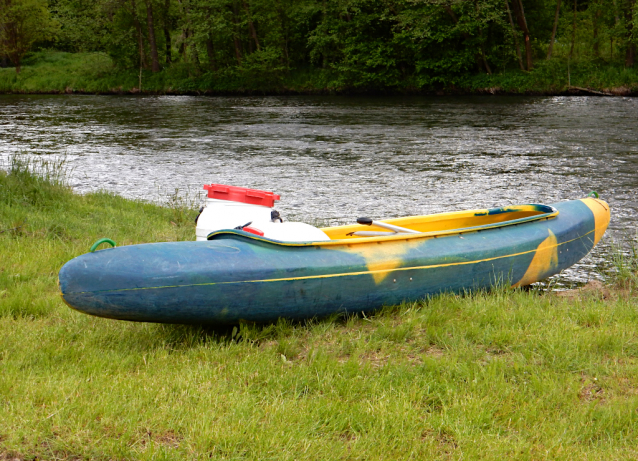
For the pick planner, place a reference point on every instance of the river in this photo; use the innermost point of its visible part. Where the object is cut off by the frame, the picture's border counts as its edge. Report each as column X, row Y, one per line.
column 334, row 158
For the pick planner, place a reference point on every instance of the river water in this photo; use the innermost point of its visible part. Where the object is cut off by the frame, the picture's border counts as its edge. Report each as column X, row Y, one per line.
column 334, row 158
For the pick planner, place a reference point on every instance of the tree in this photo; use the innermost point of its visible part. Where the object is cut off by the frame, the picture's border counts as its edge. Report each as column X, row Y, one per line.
column 630, row 54
column 151, row 36
column 23, row 22
column 522, row 23
column 551, row 41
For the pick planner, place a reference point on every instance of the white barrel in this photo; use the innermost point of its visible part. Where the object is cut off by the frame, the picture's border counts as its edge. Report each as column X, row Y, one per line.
column 226, row 214
column 229, row 207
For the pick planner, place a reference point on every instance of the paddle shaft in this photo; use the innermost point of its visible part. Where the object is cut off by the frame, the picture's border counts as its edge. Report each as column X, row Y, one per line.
column 401, row 230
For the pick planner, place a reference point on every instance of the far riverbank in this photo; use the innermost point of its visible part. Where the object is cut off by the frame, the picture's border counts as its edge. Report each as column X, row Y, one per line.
column 53, row 72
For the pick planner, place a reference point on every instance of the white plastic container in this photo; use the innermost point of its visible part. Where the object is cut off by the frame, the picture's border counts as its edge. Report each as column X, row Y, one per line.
column 225, row 214
column 228, row 207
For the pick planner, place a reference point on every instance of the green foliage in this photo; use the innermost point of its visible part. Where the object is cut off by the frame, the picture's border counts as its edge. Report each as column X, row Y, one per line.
column 59, row 72
column 623, row 267
column 56, row 72
column 344, row 45
column 84, row 27
column 33, row 182
column 23, row 22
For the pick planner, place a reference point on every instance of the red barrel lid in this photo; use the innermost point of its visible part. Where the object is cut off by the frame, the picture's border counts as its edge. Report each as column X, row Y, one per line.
column 241, row 194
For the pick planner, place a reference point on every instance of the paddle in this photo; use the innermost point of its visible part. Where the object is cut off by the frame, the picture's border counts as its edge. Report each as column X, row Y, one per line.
column 393, row 228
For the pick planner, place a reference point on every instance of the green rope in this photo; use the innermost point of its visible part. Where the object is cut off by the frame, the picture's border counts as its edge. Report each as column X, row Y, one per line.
column 593, row 194
column 99, row 242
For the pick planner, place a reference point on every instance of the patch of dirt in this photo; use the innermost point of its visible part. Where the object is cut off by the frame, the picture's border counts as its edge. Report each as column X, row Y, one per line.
column 168, row 439
column 445, row 439
column 619, row 91
column 434, row 351
column 591, row 390
column 627, row 387
column 348, row 436
column 496, row 351
column 593, row 288
column 375, row 359
column 267, row 344
column 11, row 456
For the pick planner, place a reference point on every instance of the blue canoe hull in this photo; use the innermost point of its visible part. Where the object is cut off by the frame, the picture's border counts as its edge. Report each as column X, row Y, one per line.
column 237, row 277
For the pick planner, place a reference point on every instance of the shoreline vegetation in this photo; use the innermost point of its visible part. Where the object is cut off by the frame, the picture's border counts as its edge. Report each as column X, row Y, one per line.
column 506, row 374
column 259, row 47
column 55, row 72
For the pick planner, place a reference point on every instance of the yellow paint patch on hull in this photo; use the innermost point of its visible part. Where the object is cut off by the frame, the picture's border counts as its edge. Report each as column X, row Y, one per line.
column 543, row 263
column 383, row 258
column 602, row 215
column 384, row 269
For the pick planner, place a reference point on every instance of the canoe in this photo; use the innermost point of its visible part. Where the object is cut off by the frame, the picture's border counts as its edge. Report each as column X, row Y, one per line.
column 238, row 276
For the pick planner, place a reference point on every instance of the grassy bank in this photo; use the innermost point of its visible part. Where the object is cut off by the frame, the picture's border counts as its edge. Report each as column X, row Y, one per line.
column 58, row 72
column 506, row 375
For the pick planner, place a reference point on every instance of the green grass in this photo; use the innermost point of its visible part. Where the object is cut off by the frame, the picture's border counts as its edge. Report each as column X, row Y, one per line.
column 556, row 77
column 43, row 224
column 59, row 72
column 510, row 374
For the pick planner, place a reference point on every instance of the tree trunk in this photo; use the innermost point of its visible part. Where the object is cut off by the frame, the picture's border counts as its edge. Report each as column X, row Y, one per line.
column 155, row 67
column 522, row 23
column 210, row 46
column 596, row 23
column 251, row 25
column 198, row 64
column 167, row 33
column 483, row 57
column 487, row 66
column 236, row 35
column 237, row 49
column 515, row 35
column 11, row 42
column 169, row 47
column 182, row 46
column 4, row 59
column 630, row 55
column 571, row 49
column 140, row 38
column 324, row 10
column 286, row 57
column 12, row 51
column 551, row 42
column 284, row 34
column 210, row 51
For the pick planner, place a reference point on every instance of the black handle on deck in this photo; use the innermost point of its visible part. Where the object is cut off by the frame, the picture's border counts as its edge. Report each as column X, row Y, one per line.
column 364, row 221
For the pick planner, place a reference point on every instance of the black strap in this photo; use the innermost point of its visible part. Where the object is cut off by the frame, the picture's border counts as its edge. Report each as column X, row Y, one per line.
column 274, row 216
